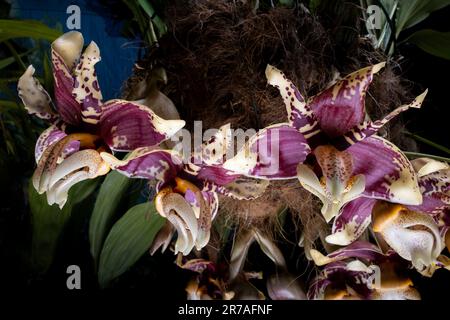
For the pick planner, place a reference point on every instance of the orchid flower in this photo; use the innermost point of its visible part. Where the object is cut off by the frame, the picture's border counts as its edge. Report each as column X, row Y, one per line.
column 351, row 160
column 187, row 191
column 360, row 271
column 81, row 126
column 420, row 233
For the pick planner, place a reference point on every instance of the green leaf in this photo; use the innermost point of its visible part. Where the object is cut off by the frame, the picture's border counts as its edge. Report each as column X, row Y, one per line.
column 49, row 221
column 26, row 29
column 411, row 12
column 108, row 199
column 128, row 240
column 431, row 41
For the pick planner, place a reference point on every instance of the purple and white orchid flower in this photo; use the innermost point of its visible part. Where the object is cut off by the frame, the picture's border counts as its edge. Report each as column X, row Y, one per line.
column 187, row 191
column 82, row 126
column 361, row 271
column 349, row 161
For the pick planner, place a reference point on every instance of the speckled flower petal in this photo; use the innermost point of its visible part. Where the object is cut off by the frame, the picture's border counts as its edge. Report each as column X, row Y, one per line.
column 338, row 186
column 126, row 126
column 273, row 153
column 86, row 87
column 36, row 100
column 66, row 51
column 300, row 115
column 358, row 249
column 214, row 151
column 147, row 163
column 388, row 173
column 48, row 137
column 341, row 107
column 243, row 188
column 434, row 182
column 369, row 128
column 351, row 222
column 56, row 179
column 209, row 205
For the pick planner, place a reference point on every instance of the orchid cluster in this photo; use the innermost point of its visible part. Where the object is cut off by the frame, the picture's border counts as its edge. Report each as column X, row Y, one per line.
column 387, row 214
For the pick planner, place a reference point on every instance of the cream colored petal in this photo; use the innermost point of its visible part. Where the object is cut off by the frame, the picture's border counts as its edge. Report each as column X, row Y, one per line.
column 425, row 166
column 69, row 47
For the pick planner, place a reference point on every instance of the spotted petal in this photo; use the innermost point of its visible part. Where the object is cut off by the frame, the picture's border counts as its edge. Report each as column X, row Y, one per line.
column 126, row 126
column 273, row 153
column 66, row 51
column 51, row 135
column 86, row 88
column 36, row 100
column 358, row 249
column 351, row 222
column 388, row 173
column 147, row 163
column 341, row 107
column 369, row 128
column 434, row 182
column 339, row 185
column 300, row 115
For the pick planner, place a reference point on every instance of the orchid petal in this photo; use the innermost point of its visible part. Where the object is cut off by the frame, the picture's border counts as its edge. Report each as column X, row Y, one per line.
column 216, row 174
column 82, row 165
column 339, row 187
column 341, row 107
column 36, row 100
column 300, row 115
column 69, row 47
column 50, row 153
column 208, row 210
column 147, row 163
column 214, row 151
column 435, row 188
column 65, row 52
column 425, row 166
column 413, row 235
column 126, row 126
column 86, row 88
column 243, row 188
column 270, row 249
column 180, row 213
column 351, row 222
column 287, row 148
column 388, row 173
column 368, row 128
column 358, row 249
column 47, row 138
column 239, row 252
column 162, row 238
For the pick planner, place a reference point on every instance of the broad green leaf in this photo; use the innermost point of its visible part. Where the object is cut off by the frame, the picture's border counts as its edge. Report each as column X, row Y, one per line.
column 26, row 29
column 49, row 221
column 128, row 240
column 108, row 199
column 431, row 41
column 411, row 12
